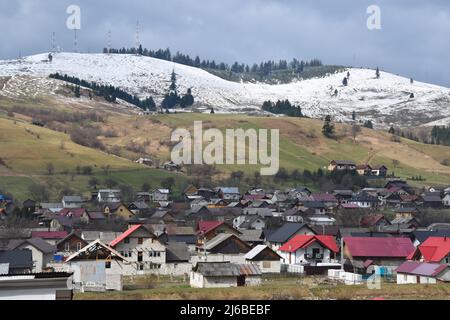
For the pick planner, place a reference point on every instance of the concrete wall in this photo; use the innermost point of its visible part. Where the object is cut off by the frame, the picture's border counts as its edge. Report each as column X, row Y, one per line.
column 267, row 266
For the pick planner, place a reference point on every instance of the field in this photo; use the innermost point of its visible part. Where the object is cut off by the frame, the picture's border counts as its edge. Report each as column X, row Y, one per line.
column 27, row 150
column 273, row 288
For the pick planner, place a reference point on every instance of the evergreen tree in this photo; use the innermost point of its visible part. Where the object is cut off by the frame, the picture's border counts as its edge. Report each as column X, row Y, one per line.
column 368, row 124
column 187, row 100
column 345, row 82
column 391, row 130
column 377, row 73
column 353, row 115
column 328, row 127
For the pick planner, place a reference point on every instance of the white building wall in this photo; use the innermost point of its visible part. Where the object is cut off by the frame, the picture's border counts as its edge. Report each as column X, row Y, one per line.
column 267, row 266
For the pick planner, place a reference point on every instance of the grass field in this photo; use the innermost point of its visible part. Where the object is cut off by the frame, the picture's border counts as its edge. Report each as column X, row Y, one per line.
column 27, row 150
column 273, row 288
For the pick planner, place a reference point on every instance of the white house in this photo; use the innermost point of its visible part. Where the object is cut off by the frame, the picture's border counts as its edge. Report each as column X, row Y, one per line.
column 158, row 195
column 108, row 195
column 41, row 251
column 142, row 248
column 72, row 202
column 311, row 250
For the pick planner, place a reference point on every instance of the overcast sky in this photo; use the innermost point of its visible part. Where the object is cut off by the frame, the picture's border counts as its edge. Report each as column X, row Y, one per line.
column 414, row 39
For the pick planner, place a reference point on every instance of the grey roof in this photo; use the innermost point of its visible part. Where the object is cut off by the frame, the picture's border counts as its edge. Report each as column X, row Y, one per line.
column 38, row 243
column 432, row 197
column 96, row 215
column 51, row 205
column 17, row 259
column 159, row 214
column 255, row 251
column 247, row 223
column 72, row 199
column 402, row 220
column 221, row 237
column 422, row 235
column 141, row 205
column 263, row 212
column 346, row 232
column 220, row 269
column 177, row 252
column 252, row 235
column 285, row 232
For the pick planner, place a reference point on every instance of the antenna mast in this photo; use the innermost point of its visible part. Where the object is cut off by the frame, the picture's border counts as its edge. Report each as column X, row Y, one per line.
column 75, row 42
column 109, row 41
column 53, row 42
column 137, row 38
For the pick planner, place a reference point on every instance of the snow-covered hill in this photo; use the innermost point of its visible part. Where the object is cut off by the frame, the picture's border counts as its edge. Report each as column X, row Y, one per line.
column 385, row 100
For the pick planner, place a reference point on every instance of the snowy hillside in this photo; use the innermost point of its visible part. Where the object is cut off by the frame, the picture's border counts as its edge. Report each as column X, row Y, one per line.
column 383, row 100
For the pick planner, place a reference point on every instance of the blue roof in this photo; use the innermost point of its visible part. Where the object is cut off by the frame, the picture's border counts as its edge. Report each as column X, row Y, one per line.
column 2, row 197
column 229, row 190
column 285, row 232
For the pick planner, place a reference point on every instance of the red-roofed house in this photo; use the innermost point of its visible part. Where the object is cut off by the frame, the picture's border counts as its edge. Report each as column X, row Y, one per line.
column 51, row 237
column 80, row 213
column 142, row 248
column 209, row 229
column 382, row 251
column 422, row 272
column 434, row 249
column 309, row 249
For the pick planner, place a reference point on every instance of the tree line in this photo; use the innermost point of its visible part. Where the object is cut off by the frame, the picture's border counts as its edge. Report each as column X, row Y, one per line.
column 109, row 93
column 263, row 68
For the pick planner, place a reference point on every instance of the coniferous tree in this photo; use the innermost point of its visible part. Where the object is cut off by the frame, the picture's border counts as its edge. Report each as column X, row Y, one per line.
column 377, row 73
column 328, row 127
column 345, row 82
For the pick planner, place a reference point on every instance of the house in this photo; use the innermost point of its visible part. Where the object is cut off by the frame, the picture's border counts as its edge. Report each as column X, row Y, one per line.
column 145, row 161
column 446, row 199
column 65, row 223
column 318, row 207
column 177, row 259
column 225, row 247
column 142, row 248
column 108, row 196
column 117, row 209
column 158, row 195
column 41, row 286
column 72, row 202
column 97, row 267
column 206, row 230
column 342, row 165
column 139, row 207
column 29, row 204
column 51, row 237
column 309, row 250
column 267, row 260
column 70, row 244
column 163, row 216
column 432, row 200
column 365, row 200
column 253, row 237
column 434, row 250
column 228, row 193
column 171, row 166
column 343, row 195
column 224, row 275
column 328, row 199
column 19, row 261
column 292, row 215
column 404, row 223
column 379, row 171
column 364, row 169
column 143, row 197
column 79, row 213
column 363, row 252
column 374, row 220
column 249, row 222
column 41, row 251
column 414, row 272
column 51, row 206
column 287, row 231
column 406, row 212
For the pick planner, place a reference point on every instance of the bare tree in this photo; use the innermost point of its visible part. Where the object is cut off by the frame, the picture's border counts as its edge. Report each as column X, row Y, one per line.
column 50, row 168
column 355, row 131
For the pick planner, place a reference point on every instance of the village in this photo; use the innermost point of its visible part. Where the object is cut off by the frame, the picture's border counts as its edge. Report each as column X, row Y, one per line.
column 226, row 237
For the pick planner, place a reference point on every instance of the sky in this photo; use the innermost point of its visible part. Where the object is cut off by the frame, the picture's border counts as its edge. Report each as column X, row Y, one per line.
column 414, row 39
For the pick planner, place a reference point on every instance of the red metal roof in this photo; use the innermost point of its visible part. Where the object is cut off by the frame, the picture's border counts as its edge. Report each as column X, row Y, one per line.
column 207, row 226
column 124, row 235
column 49, row 234
column 421, row 268
column 434, row 249
column 379, row 247
column 303, row 241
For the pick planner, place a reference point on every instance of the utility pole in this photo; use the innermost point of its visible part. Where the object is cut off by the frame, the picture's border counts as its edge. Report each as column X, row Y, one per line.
column 342, row 253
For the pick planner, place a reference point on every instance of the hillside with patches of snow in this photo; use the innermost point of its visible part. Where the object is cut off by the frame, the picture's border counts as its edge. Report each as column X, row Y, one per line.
column 385, row 100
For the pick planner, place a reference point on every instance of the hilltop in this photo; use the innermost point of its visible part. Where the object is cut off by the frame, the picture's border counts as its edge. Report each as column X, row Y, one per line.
column 390, row 99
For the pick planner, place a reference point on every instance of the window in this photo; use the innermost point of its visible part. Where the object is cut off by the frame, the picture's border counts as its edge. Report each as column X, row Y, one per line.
column 140, row 256
column 67, row 246
column 266, row 264
column 79, row 246
column 447, row 259
column 140, row 240
column 127, row 240
column 141, row 266
column 108, row 264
